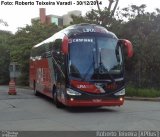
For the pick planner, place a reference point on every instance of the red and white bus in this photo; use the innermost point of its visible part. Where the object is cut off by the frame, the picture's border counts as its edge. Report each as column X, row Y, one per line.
column 82, row 65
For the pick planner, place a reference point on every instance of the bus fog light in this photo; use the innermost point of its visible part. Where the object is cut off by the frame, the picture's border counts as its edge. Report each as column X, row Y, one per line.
column 121, row 92
column 72, row 99
column 72, row 92
column 121, row 99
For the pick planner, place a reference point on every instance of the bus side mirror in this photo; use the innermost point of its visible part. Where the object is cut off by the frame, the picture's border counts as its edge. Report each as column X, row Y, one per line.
column 65, row 45
column 128, row 47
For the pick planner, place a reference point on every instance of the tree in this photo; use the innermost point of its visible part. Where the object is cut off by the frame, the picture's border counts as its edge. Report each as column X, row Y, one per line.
column 103, row 17
column 4, row 63
column 107, row 14
column 4, row 37
column 22, row 42
column 3, row 22
column 4, row 56
column 143, row 29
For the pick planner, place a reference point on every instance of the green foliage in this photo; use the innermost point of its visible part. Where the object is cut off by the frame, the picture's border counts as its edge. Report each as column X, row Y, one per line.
column 142, row 92
column 103, row 17
column 94, row 17
column 4, row 56
column 4, row 65
column 143, row 30
column 4, row 37
column 22, row 42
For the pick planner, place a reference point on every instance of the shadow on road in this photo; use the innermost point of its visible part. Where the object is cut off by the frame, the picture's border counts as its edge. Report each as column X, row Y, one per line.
column 90, row 110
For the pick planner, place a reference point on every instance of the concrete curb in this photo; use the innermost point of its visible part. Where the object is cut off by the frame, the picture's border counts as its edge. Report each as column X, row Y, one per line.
column 143, row 99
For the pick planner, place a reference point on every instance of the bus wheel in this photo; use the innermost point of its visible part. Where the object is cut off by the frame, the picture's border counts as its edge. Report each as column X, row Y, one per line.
column 35, row 90
column 36, row 93
column 56, row 101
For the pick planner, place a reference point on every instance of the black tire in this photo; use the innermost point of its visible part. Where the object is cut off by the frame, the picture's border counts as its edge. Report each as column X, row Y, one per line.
column 35, row 92
column 56, row 101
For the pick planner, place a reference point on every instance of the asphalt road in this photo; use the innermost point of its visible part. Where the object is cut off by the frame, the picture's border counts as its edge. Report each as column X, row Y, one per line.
column 25, row 112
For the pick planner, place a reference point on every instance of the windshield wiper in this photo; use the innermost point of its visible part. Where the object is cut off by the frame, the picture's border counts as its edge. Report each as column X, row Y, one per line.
column 102, row 69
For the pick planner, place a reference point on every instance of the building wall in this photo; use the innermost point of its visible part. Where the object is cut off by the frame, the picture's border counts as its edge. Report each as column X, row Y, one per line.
column 54, row 20
column 48, row 20
column 58, row 20
column 42, row 15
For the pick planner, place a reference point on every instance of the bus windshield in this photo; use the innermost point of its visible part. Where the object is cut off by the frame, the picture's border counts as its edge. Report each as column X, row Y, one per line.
column 94, row 57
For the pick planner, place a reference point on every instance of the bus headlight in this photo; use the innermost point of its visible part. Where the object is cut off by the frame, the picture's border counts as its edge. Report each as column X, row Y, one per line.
column 120, row 93
column 72, row 92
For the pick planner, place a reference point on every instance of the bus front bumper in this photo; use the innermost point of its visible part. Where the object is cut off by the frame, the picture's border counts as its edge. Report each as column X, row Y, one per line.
column 94, row 102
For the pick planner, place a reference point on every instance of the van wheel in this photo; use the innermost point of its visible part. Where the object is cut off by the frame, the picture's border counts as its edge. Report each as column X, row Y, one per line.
column 56, row 101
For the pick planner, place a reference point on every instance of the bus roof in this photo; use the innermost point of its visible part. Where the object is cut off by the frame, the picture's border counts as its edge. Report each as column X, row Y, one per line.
column 77, row 29
column 86, row 27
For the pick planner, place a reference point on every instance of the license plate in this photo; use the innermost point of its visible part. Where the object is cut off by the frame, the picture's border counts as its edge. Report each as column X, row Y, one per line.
column 97, row 100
